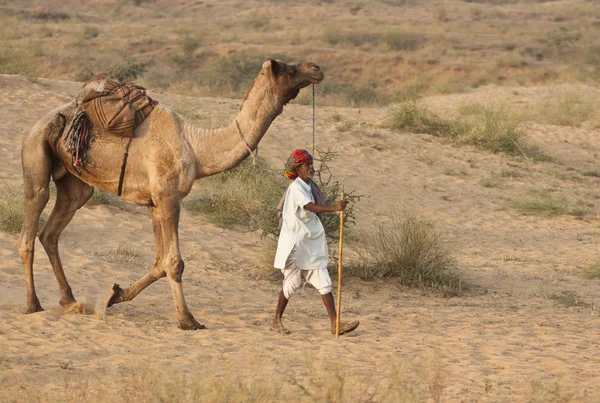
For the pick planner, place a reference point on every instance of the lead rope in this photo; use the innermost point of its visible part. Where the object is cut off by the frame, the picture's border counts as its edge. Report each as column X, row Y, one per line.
column 313, row 127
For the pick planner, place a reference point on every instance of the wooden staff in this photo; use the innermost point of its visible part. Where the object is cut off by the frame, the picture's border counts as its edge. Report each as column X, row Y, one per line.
column 339, row 292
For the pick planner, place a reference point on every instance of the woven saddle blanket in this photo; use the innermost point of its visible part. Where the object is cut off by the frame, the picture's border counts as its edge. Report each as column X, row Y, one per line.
column 118, row 108
column 115, row 107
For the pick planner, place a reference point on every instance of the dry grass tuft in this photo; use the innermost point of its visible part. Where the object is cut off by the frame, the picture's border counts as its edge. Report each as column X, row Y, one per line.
column 410, row 249
column 489, row 127
column 104, row 198
column 246, row 195
column 545, row 203
column 566, row 108
column 593, row 270
column 568, row 298
column 12, row 209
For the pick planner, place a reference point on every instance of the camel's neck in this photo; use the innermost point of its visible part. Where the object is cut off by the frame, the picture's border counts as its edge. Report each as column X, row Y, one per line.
column 222, row 149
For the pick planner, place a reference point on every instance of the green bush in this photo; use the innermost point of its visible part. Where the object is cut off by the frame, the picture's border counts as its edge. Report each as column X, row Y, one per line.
column 410, row 249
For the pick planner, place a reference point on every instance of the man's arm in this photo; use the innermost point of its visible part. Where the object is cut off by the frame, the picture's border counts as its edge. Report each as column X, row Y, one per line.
column 322, row 208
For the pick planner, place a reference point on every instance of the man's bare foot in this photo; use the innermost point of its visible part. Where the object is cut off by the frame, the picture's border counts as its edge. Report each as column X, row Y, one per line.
column 346, row 327
column 278, row 328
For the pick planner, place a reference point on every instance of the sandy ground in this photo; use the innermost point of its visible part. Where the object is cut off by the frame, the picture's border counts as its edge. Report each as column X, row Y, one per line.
column 511, row 344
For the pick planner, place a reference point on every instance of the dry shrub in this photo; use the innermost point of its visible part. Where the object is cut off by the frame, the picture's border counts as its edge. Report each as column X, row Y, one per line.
column 566, row 108
column 545, row 203
column 246, row 195
column 104, row 198
column 12, row 209
column 408, row 248
column 568, row 298
column 15, row 60
column 314, row 382
column 593, row 270
column 489, row 127
column 125, row 71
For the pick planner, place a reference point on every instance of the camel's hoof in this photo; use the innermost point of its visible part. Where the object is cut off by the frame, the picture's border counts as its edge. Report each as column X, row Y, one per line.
column 114, row 296
column 190, row 324
column 67, row 302
column 34, row 309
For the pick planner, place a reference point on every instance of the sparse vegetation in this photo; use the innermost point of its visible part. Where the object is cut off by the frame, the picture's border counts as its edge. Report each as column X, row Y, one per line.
column 248, row 196
column 125, row 71
column 593, row 270
column 410, row 249
column 120, row 254
column 491, row 128
column 394, row 52
column 544, row 202
column 12, row 209
column 568, row 298
column 14, row 61
column 102, row 197
column 566, row 108
column 326, row 382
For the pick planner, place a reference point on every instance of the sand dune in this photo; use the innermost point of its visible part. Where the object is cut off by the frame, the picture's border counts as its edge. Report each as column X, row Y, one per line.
column 511, row 344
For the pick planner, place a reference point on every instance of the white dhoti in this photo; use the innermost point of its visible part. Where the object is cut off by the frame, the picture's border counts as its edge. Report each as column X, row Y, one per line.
column 295, row 277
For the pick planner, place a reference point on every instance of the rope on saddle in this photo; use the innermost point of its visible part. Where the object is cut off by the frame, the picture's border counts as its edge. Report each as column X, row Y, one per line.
column 122, row 176
column 77, row 140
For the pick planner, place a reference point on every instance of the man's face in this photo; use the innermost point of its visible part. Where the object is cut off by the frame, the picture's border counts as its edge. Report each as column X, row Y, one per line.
column 306, row 171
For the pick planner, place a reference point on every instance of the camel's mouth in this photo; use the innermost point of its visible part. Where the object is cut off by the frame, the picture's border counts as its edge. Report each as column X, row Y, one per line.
column 316, row 79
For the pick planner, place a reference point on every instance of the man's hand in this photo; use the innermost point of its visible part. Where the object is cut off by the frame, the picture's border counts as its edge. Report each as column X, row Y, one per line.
column 318, row 208
column 341, row 205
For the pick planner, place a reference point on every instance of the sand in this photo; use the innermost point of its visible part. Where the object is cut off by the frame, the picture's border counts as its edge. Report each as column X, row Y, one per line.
column 511, row 343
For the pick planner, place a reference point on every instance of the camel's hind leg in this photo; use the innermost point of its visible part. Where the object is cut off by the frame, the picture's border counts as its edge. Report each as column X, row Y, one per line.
column 37, row 165
column 72, row 193
column 117, row 294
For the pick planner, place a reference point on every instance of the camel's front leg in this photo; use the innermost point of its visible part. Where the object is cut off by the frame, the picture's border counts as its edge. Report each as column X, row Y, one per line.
column 172, row 262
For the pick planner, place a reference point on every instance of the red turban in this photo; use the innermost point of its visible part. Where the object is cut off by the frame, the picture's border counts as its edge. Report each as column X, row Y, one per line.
column 296, row 159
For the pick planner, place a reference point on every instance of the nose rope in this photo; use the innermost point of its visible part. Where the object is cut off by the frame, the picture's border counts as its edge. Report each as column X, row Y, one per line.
column 313, row 126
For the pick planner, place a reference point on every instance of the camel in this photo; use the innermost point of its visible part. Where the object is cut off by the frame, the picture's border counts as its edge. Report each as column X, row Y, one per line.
column 166, row 156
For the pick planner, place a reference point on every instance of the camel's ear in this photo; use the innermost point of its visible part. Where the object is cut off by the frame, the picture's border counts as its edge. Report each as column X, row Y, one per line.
column 275, row 67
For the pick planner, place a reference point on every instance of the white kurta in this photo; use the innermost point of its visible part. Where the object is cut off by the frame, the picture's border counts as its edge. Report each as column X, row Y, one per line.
column 301, row 229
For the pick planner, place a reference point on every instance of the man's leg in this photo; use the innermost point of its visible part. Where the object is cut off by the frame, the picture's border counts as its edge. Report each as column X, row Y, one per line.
column 292, row 281
column 277, row 325
column 322, row 282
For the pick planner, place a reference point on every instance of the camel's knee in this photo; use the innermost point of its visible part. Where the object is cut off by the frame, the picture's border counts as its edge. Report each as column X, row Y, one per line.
column 36, row 197
column 48, row 240
column 86, row 193
column 175, row 270
column 157, row 272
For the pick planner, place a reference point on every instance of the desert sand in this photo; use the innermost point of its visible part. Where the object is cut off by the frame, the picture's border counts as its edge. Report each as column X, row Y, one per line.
column 511, row 343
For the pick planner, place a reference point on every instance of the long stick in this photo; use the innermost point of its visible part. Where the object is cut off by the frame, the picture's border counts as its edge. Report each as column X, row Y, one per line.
column 339, row 291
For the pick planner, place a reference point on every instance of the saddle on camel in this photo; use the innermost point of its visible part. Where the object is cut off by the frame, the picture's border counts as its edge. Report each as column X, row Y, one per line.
column 114, row 107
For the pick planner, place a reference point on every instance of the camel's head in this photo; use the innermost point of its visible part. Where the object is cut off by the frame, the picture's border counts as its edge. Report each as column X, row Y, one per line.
column 288, row 79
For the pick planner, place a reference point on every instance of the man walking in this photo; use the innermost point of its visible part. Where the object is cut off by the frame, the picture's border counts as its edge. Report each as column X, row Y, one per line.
column 302, row 253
